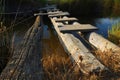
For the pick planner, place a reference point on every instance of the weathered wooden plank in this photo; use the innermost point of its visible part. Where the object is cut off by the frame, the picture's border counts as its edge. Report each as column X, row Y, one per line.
column 60, row 14
column 25, row 63
column 49, row 13
column 78, row 52
column 66, row 19
column 83, row 28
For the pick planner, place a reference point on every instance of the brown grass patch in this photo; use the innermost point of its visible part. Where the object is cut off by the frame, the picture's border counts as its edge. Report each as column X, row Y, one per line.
column 110, row 59
column 59, row 68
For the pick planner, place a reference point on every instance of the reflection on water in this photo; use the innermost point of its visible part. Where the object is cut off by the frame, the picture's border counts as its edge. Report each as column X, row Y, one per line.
column 46, row 33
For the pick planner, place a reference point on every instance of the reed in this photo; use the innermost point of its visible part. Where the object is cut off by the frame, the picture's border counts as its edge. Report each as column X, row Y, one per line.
column 114, row 33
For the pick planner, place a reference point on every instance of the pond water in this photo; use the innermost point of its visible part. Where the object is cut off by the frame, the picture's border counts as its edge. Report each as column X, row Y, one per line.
column 103, row 24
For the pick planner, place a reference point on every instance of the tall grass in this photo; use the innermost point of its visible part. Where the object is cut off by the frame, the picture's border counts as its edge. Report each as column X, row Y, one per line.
column 114, row 33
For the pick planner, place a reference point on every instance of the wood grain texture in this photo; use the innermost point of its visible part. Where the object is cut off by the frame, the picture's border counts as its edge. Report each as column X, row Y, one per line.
column 82, row 28
column 25, row 63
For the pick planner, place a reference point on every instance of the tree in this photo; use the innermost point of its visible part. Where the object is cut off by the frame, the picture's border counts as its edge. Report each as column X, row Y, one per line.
column 108, row 6
column 116, row 8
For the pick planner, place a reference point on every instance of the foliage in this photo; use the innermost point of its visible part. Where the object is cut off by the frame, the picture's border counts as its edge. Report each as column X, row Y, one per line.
column 114, row 33
column 107, row 6
column 82, row 7
column 116, row 8
column 90, row 7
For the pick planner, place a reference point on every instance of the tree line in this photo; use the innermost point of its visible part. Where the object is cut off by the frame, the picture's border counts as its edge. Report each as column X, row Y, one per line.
column 90, row 7
column 79, row 7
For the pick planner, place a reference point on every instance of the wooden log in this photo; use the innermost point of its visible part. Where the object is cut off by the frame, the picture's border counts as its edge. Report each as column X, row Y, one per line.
column 78, row 52
column 109, row 53
column 25, row 63
column 100, row 42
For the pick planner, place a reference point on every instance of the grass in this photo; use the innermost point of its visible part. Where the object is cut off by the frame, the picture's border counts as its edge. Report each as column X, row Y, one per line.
column 60, row 68
column 114, row 33
column 110, row 59
column 57, row 67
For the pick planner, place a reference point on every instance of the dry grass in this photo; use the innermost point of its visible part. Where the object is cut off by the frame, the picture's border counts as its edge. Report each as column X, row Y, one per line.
column 111, row 60
column 60, row 68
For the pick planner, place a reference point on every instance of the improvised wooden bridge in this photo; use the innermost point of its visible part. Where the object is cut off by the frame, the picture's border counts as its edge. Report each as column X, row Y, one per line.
column 25, row 62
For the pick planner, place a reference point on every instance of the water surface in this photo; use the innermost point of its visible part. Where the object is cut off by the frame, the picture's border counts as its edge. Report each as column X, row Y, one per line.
column 103, row 24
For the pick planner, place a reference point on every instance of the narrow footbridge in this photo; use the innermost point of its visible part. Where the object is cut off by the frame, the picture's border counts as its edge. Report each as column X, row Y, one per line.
column 25, row 63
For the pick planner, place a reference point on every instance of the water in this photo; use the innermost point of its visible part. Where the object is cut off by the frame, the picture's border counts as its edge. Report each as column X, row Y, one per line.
column 103, row 24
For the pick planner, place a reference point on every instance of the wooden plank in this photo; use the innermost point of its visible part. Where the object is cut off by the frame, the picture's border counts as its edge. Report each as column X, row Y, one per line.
column 83, row 28
column 25, row 63
column 60, row 14
column 49, row 13
column 66, row 19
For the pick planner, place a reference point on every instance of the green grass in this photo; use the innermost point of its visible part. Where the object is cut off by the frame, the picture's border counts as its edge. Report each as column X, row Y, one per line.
column 114, row 33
